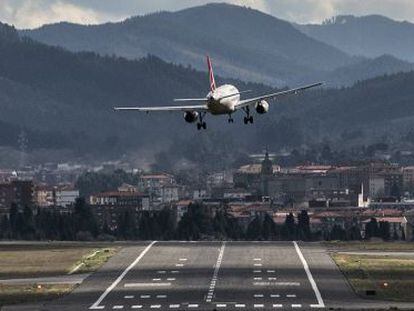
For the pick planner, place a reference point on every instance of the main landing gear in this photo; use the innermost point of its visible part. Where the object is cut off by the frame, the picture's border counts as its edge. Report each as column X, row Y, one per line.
column 201, row 124
column 231, row 120
column 248, row 118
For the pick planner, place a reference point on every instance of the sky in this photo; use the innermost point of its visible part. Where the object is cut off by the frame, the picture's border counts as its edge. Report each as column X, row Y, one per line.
column 34, row 13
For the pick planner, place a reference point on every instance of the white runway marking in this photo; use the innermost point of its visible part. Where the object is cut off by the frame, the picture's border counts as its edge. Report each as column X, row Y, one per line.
column 161, row 296
column 193, row 305
column 161, row 272
column 183, row 259
column 129, row 297
column 136, row 307
column 258, row 296
column 128, row 285
column 256, row 305
column 175, row 306
column 179, row 265
column 156, row 279
column 296, row 305
column 272, row 279
column 145, row 296
column 258, row 279
column 277, row 305
column 257, row 265
column 257, row 259
column 315, row 288
column 155, row 306
column 216, row 271
column 221, row 305
column 270, row 271
column 257, row 271
column 240, row 305
column 119, row 279
column 175, row 271
column 276, row 283
column 291, row 296
column 117, row 307
column 274, row 295
column 170, row 279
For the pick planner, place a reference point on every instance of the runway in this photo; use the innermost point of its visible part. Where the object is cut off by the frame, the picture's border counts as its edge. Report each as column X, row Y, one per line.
column 212, row 276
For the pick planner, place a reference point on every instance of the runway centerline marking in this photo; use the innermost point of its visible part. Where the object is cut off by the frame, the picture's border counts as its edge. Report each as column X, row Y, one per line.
column 127, row 285
column 216, row 271
column 97, row 303
column 315, row 288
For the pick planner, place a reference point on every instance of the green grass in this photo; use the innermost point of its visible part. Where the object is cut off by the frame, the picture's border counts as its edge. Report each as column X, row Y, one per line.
column 94, row 260
column 14, row 294
column 370, row 246
column 43, row 260
column 368, row 272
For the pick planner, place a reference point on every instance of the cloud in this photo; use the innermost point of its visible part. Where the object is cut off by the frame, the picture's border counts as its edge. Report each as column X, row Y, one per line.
column 33, row 13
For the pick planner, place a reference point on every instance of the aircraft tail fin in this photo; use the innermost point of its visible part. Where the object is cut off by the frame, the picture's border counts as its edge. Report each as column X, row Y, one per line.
column 211, row 74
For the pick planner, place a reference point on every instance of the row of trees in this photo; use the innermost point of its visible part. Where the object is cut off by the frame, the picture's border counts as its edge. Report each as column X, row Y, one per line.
column 198, row 223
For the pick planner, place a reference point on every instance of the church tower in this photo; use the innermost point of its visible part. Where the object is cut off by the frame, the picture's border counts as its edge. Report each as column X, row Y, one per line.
column 266, row 174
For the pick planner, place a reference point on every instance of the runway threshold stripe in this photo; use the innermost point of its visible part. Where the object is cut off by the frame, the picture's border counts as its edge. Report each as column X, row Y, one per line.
column 315, row 288
column 119, row 279
column 296, row 306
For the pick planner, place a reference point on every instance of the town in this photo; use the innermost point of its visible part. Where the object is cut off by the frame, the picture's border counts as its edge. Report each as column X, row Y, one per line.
column 368, row 200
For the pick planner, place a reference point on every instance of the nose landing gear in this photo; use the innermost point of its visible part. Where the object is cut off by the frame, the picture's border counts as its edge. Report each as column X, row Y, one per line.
column 201, row 124
column 231, row 120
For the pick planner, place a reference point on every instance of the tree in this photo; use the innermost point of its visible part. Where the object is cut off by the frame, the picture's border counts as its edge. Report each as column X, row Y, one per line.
column 384, row 230
column 289, row 228
column 268, row 228
column 304, row 232
column 253, row 231
column 371, row 229
column 84, row 219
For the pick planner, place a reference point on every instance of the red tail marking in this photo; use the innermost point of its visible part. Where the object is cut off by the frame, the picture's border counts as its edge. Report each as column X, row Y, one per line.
column 211, row 74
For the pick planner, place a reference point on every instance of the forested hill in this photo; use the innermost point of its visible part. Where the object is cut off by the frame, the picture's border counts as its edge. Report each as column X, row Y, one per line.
column 370, row 36
column 243, row 42
column 64, row 99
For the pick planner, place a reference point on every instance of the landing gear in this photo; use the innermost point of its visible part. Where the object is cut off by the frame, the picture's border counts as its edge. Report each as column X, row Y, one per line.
column 201, row 124
column 231, row 120
column 248, row 118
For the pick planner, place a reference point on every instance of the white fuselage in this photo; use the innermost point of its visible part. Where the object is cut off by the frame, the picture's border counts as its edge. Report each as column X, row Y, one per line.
column 219, row 105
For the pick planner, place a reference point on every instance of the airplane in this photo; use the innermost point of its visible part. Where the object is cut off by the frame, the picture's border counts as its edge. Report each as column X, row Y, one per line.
column 220, row 100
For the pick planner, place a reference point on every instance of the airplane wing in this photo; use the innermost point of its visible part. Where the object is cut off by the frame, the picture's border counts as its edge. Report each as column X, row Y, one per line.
column 250, row 101
column 163, row 108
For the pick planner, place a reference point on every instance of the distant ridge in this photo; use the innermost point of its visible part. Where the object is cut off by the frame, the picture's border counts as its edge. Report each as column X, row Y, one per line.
column 244, row 43
column 370, row 36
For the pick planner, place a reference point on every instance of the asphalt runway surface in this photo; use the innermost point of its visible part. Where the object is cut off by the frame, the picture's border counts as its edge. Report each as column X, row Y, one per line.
column 214, row 276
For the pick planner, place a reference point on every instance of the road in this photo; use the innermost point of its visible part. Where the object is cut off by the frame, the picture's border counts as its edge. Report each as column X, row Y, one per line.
column 215, row 276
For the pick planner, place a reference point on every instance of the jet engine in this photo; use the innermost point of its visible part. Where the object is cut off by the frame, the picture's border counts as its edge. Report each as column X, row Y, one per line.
column 262, row 107
column 191, row 116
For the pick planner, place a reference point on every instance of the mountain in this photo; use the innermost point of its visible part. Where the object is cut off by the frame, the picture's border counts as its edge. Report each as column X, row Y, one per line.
column 366, row 69
column 64, row 100
column 370, row 36
column 244, row 43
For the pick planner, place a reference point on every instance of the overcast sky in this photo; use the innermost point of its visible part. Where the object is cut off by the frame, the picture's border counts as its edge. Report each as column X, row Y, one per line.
column 34, row 13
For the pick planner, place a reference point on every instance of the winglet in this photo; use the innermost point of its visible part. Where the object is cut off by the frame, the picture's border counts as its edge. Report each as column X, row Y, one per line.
column 211, row 74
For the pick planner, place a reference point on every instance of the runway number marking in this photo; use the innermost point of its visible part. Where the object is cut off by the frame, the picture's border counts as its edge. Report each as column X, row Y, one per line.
column 215, row 273
column 315, row 288
column 96, row 305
